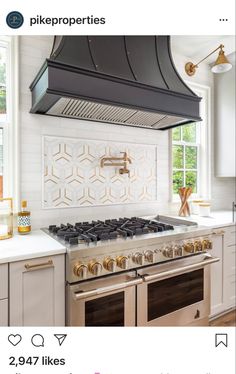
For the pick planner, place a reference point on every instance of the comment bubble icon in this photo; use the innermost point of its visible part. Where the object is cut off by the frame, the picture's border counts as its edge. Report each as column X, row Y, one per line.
column 37, row 340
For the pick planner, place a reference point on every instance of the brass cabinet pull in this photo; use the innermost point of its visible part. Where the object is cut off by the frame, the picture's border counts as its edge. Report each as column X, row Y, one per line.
column 43, row 265
column 218, row 232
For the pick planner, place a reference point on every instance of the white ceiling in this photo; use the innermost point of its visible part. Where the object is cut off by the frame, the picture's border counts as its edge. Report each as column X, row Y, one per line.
column 198, row 46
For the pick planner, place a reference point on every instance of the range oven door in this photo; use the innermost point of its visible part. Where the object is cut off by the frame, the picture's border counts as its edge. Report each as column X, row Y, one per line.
column 108, row 301
column 176, row 293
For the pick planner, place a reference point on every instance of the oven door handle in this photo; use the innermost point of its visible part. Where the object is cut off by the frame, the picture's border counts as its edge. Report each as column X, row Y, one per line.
column 169, row 273
column 84, row 294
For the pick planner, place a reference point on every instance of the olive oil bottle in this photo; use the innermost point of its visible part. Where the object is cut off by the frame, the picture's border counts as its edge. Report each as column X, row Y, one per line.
column 24, row 225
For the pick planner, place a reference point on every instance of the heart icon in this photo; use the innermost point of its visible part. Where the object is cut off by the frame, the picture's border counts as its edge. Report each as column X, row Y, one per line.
column 14, row 339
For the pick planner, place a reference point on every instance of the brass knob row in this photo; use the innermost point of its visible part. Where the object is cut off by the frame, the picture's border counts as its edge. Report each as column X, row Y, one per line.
column 95, row 267
column 139, row 258
column 190, row 247
column 197, row 246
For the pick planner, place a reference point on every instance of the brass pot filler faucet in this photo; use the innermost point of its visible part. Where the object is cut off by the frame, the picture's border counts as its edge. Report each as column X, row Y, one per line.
column 108, row 161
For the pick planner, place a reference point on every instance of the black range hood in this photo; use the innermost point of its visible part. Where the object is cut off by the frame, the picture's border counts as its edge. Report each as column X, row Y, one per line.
column 125, row 80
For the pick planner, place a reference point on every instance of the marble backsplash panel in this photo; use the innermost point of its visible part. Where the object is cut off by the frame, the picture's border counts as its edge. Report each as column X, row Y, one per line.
column 73, row 176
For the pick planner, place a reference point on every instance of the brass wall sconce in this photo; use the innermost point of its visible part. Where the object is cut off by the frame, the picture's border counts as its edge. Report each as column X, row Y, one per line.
column 108, row 161
column 221, row 64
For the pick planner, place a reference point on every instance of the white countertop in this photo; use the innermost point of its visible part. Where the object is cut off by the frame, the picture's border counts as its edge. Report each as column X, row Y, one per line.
column 216, row 219
column 36, row 244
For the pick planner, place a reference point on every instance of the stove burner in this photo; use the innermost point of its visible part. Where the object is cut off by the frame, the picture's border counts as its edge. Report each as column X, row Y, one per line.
column 85, row 232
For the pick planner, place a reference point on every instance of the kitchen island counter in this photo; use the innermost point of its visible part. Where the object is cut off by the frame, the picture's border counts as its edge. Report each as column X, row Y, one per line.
column 36, row 244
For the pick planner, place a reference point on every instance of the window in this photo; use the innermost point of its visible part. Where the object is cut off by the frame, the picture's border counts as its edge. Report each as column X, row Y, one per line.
column 2, row 109
column 190, row 152
column 9, row 181
column 185, row 154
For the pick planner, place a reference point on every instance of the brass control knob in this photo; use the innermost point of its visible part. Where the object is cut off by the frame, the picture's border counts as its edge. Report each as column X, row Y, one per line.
column 168, row 252
column 149, row 256
column 138, row 258
column 95, row 268
column 197, row 246
column 80, row 270
column 206, row 244
column 122, row 262
column 109, row 264
column 178, row 251
column 189, row 247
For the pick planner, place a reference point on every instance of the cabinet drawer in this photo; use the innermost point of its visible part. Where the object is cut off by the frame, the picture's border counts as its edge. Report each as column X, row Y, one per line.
column 4, row 312
column 4, row 281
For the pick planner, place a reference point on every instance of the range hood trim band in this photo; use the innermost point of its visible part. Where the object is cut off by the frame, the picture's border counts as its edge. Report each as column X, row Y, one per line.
column 50, row 67
column 69, row 68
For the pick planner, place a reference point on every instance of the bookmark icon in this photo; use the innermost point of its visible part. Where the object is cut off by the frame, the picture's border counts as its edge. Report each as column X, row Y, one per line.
column 60, row 338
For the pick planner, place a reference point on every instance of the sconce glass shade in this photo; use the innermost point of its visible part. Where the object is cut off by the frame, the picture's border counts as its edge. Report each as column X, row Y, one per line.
column 6, row 218
column 222, row 64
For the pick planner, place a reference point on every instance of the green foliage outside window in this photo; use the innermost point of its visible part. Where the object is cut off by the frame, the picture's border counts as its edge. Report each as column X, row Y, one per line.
column 190, row 157
column 176, row 133
column 185, row 157
column 178, row 180
column 178, row 156
column 2, row 82
column 191, row 180
column 189, row 133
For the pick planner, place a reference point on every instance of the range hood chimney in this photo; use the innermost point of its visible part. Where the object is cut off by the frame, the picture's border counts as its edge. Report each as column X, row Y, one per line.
column 125, row 80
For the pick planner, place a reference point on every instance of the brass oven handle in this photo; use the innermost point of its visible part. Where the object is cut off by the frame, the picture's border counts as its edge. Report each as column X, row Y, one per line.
column 84, row 294
column 43, row 265
column 208, row 260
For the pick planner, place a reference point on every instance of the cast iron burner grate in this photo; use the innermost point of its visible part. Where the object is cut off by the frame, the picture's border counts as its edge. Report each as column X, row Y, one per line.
column 86, row 232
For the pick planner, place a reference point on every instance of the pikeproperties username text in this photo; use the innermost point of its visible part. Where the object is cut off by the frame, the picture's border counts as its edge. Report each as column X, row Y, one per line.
column 70, row 21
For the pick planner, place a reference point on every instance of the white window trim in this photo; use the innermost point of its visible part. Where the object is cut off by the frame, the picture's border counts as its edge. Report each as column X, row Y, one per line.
column 205, row 144
column 11, row 154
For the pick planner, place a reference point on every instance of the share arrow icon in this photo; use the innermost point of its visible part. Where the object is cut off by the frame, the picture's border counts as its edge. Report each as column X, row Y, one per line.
column 60, row 338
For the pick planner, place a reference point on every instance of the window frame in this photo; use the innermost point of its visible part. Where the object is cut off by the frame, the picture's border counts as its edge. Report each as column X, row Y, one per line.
column 204, row 154
column 11, row 125
column 184, row 169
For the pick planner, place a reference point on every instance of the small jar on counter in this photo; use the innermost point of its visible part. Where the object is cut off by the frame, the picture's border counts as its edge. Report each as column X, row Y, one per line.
column 195, row 206
column 204, row 209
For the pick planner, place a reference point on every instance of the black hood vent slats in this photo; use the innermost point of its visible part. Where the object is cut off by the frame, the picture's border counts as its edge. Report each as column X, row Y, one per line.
column 126, row 80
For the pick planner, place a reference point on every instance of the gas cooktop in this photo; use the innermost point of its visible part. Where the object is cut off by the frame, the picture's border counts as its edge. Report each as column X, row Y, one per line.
column 92, row 232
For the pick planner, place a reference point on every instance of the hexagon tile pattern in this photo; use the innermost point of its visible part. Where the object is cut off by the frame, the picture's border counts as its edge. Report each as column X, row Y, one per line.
column 73, row 176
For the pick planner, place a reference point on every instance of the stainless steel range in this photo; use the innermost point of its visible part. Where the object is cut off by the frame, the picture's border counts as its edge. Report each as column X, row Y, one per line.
column 136, row 272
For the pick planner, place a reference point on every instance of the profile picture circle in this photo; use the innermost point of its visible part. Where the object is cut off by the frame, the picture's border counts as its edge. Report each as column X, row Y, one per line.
column 14, row 20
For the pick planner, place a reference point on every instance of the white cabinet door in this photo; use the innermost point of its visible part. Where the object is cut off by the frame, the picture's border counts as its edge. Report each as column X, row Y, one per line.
column 3, row 281
column 229, row 266
column 217, row 276
column 37, row 292
column 4, row 312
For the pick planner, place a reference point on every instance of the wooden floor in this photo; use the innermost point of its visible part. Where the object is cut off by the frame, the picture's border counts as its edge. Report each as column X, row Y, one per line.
column 228, row 319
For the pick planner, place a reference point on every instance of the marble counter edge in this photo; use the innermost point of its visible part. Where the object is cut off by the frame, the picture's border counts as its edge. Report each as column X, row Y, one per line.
column 13, row 249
